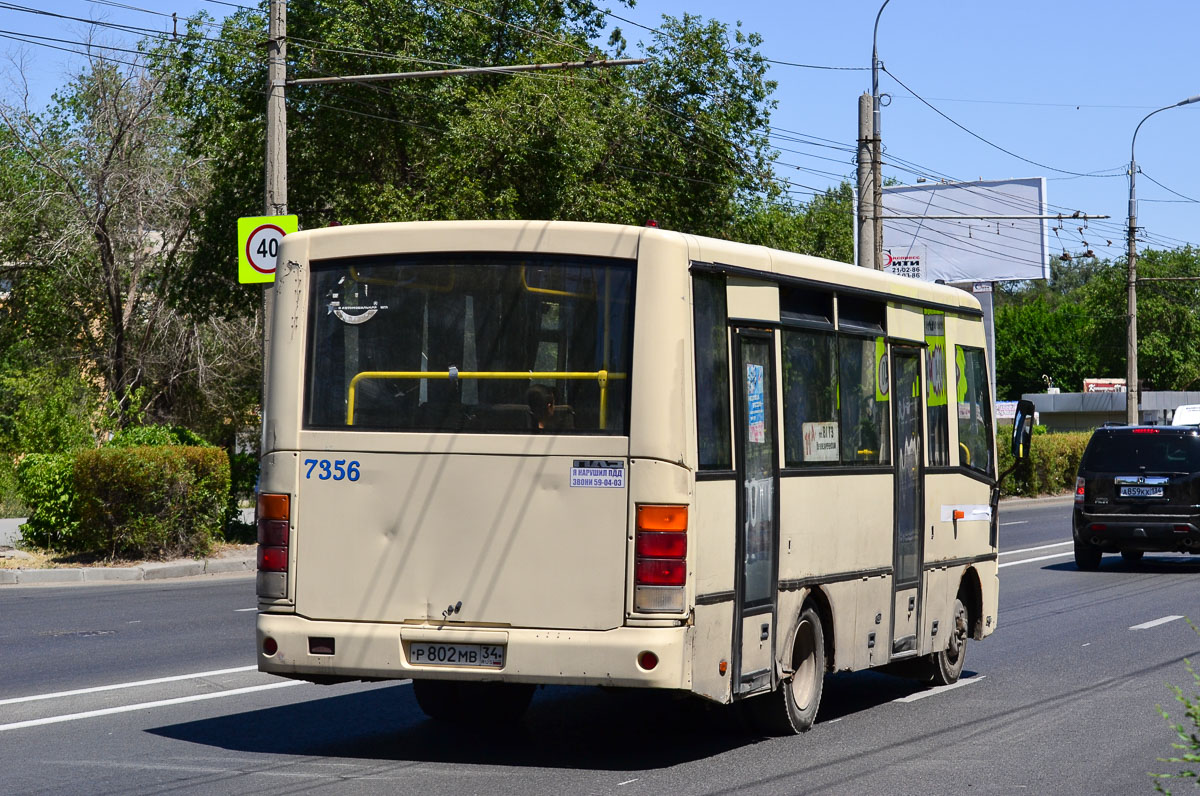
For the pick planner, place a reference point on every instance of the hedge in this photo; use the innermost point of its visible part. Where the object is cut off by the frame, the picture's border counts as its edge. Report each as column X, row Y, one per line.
column 151, row 502
column 1052, row 466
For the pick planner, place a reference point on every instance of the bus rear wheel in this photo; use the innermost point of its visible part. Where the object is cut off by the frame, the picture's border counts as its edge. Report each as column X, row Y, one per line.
column 947, row 665
column 792, row 708
column 472, row 703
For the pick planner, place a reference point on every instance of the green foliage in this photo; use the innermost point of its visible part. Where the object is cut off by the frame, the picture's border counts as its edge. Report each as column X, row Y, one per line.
column 1188, row 732
column 151, row 501
column 1052, row 466
column 1076, row 326
column 44, row 410
column 1042, row 337
column 46, row 484
column 681, row 139
column 155, row 436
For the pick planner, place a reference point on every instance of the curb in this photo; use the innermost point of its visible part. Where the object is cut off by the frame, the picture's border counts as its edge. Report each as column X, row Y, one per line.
column 143, row 572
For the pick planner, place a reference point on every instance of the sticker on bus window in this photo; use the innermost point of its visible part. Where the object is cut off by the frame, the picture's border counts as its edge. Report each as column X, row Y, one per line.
column 820, row 442
column 754, row 403
column 598, row 474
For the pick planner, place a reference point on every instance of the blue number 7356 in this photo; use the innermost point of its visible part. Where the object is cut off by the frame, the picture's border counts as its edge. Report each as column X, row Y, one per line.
column 337, row 470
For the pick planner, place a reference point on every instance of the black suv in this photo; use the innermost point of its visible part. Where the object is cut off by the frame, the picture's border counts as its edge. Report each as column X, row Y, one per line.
column 1138, row 489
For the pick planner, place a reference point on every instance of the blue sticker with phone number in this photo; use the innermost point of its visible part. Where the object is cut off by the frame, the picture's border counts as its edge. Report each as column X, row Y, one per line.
column 336, row 470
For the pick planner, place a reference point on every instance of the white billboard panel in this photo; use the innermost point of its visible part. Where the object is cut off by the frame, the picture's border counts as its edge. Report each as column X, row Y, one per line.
column 983, row 231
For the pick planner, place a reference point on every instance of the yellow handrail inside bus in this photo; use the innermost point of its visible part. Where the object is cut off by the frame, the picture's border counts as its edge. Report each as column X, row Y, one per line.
column 375, row 280
column 551, row 291
column 601, row 377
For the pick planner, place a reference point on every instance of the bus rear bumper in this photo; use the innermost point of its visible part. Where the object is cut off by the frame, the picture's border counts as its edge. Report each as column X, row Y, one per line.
column 370, row 651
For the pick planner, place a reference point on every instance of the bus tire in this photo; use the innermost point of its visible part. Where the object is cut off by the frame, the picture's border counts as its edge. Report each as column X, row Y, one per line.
column 947, row 665
column 471, row 703
column 792, row 708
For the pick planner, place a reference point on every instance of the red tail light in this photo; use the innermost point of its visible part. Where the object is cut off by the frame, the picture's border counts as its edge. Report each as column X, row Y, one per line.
column 1079, row 490
column 274, row 534
column 272, row 559
column 661, row 572
column 660, row 559
column 1145, row 431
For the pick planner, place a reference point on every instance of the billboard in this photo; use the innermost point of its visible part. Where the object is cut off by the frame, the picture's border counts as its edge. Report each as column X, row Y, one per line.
column 985, row 231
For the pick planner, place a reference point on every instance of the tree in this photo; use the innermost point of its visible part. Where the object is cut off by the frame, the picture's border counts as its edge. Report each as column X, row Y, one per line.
column 99, row 218
column 681, row 140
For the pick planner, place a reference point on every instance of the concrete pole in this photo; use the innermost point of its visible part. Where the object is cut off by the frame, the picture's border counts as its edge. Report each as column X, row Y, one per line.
column 1131, row 373
column 866, row 193
column 275, row 201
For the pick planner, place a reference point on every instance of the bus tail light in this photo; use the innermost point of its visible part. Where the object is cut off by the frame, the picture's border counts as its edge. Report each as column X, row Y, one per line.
column 660, row 559
column 274, row 539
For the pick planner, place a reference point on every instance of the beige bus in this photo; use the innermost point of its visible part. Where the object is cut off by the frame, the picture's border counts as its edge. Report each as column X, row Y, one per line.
column 498, row 454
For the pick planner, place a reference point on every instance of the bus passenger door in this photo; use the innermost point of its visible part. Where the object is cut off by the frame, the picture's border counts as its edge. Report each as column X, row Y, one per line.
column 757, row 511
column 909, row 500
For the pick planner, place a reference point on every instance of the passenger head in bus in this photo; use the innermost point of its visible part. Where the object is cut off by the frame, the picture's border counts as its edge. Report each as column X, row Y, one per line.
column 541, row 405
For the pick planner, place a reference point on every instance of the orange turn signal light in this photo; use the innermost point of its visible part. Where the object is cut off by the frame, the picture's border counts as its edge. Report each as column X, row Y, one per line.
column 273, row 507
column 662, row 518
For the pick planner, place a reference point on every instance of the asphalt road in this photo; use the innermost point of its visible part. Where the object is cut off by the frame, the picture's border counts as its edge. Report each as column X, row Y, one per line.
column 150, row 688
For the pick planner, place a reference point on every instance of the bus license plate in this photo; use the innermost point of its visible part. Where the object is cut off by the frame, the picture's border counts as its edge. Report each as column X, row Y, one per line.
column 1141, row 491
column 489, row 656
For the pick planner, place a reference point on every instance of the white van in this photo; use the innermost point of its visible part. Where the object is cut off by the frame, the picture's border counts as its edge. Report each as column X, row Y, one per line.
column 1186, row 415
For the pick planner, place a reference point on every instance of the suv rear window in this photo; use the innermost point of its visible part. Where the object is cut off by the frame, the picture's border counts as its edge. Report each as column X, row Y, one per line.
column 1129, row 452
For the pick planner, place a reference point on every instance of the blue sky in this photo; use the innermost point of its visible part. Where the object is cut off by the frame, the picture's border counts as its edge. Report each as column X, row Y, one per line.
column 1060, row 85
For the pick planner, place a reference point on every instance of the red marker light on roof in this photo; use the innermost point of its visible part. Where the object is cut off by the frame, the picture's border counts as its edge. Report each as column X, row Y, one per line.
column 1145, row 431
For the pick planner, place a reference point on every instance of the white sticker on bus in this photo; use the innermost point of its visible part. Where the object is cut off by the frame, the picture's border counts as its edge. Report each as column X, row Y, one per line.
column 601, row 474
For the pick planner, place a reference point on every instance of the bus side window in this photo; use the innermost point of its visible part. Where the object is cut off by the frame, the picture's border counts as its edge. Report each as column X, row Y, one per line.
column 865, row 425
column 937, row 391
column 713, row 432
column 974, row 422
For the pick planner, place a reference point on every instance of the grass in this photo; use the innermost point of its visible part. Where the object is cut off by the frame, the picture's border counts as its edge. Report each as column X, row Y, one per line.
column 42, row 559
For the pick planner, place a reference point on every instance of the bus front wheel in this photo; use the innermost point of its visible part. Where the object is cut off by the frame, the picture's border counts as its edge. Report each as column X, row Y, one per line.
column 792, row 708
column 462, row 703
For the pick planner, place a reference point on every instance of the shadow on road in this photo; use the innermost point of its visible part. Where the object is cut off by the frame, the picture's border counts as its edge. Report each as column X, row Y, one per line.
column 585, row 728
column 1152, row 564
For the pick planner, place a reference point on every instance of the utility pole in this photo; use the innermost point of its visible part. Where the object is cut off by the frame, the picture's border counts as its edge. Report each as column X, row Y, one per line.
column 866, row 193
column 876, row 149
column 275, row 201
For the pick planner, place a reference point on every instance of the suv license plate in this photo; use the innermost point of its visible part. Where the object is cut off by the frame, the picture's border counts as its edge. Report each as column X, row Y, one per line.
column 1141, row 491
column 490, row 656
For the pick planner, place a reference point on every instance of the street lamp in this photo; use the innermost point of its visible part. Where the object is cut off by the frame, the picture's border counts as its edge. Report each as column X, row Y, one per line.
column 1131, row 375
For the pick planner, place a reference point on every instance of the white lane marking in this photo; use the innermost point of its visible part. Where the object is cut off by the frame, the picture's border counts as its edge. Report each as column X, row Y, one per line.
column 1031, row 549
column 1016, row 522
column 136, row 684
column 1038, row 558
column 146, row 705
column 243, row 610
column 1155, row 623
column 932, row 691
column 626, row 782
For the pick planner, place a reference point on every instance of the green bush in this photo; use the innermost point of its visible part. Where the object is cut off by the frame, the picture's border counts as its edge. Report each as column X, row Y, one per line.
column 1188, row 734
column 46, row 484
column 1052, row 466
column 151, row 501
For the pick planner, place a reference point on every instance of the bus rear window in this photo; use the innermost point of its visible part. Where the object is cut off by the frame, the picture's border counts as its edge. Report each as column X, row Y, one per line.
column 470, row 342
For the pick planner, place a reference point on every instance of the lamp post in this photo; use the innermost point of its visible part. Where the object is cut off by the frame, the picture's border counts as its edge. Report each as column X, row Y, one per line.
column 1131, row 374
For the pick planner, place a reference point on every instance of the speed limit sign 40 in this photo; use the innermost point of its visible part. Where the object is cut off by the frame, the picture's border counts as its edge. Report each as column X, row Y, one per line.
column 258, row 245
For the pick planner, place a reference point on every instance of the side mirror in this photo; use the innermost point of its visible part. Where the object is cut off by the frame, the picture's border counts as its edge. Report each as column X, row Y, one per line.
column 1022, row 433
